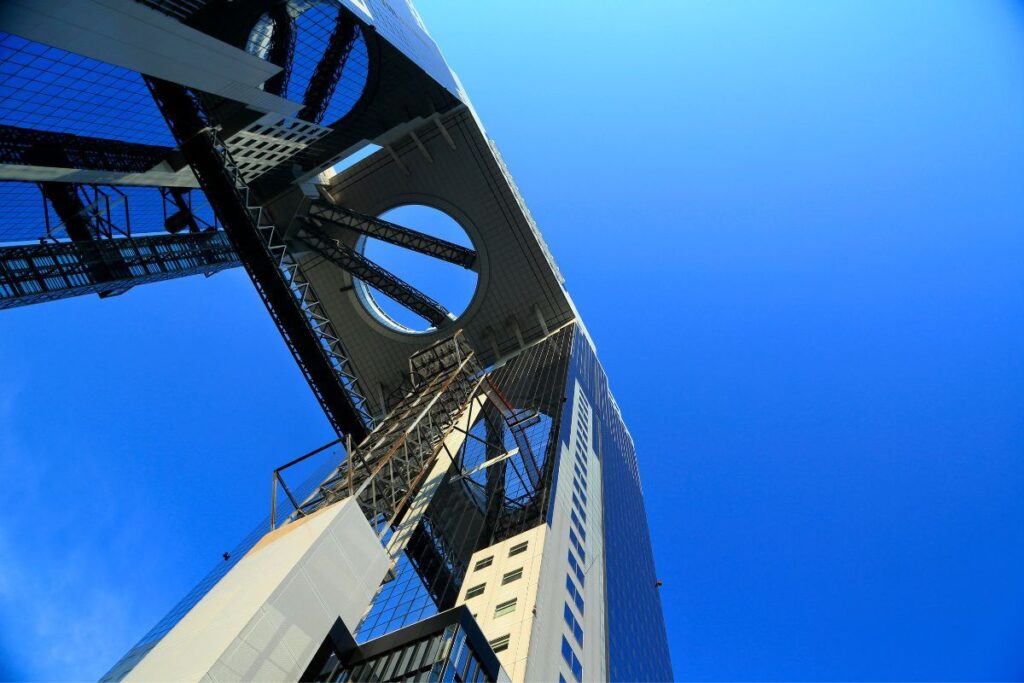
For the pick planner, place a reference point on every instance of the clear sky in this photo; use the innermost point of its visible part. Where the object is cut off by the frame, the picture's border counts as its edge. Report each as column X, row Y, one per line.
column 795, row 231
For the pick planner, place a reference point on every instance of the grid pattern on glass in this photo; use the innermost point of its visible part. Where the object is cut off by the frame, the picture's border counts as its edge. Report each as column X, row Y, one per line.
column 399, row 602
column 46, row 88
column 314, row 24
column 142, row 209
column 637, row 643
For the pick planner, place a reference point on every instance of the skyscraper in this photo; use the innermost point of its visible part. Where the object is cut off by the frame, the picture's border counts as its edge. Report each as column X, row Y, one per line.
column 480, row 515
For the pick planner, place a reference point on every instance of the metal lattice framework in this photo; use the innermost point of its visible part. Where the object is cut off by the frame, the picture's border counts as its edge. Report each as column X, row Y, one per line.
column 58, row 270
column 308, row 234
column 27, row 147
column 399, row 235
column 280, row 282
column 384, row 471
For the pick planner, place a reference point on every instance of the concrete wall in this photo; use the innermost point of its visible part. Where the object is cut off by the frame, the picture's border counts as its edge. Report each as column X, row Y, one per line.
column 269, row 614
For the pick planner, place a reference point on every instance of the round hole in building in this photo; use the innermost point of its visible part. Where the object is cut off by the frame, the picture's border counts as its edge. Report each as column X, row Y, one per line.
column 448, row 284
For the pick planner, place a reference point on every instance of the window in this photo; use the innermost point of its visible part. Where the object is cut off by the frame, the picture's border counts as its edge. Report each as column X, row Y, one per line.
column 513, row 575
column 500, row 644
column 573, row 624
column 575, row 593
column 577, row 545
column 579, row 506
column 571, row 660
column 579, row 526
column 518, row 548
column 486, row 562
column 475, row 591
column 503, row 608
column 576, row 568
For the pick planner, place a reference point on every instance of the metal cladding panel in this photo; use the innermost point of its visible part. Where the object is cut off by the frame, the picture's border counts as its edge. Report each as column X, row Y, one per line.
column 518, row 284
column 637, row 641
column 268, row 616
column 399, row 23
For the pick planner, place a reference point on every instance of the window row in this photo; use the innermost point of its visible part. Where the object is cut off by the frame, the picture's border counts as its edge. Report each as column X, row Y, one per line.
column 506, row 579
column 571, row 660
column 485, row 562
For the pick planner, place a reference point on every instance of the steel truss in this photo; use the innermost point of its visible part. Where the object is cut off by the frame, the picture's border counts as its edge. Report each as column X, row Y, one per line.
column 328, row 70
column 59, row 270
column 27, row 147
column 280, row 282
column 386, row 469
column 399, row 235
column 369, row 272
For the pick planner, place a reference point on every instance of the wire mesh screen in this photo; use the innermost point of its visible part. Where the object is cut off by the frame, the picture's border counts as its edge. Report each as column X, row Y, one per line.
column 313, row 24
column 46, row 88
column 29, row 217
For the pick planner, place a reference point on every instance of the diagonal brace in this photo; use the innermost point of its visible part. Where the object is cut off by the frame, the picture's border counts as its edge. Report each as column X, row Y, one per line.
column 372, row 274
column 392, row 233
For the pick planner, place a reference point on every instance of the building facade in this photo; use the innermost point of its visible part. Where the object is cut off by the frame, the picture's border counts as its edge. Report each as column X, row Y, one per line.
column 480, row 515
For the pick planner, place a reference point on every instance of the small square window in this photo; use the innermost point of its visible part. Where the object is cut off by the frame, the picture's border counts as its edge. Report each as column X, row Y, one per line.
column 513, row 575
column 475, row 591
column 500, row 644
column 503, row 608
column 485, row 562
column 518, row 548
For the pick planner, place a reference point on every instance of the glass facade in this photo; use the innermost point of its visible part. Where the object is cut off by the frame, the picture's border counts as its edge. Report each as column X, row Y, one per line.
column 446, row 647
column 637, row 642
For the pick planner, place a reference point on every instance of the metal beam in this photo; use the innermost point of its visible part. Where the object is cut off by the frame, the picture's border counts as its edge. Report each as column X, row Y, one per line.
column 392, row 233
column 328, row 70
column 372, row 274
column 27, row 147
column 31, row 274
column 289, row 299
column 282, row 49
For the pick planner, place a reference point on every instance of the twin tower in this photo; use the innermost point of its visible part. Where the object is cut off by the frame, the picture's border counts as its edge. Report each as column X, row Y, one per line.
column 480, row 515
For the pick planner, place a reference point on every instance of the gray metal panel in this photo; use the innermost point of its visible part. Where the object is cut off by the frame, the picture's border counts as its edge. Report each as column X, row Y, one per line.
column 516, row 275
column 133, row 36
column 400, row 24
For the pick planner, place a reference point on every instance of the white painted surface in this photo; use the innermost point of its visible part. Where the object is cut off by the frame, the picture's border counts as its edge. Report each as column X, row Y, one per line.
column 265, row 619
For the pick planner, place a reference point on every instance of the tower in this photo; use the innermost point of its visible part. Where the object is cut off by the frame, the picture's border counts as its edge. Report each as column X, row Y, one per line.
column 480, row 515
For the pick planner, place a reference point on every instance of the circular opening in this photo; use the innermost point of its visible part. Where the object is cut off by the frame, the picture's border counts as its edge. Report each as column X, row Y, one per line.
column 312, row 25
column 450, row 285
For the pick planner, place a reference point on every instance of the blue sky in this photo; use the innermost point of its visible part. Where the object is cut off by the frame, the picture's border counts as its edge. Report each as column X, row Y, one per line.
column 794, row 230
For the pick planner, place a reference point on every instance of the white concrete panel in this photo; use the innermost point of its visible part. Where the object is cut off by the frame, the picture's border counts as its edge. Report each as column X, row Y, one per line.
column 266, row 617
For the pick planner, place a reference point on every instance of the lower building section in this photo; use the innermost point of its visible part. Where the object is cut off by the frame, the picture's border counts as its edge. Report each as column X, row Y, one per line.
column 490, row 528
column 267, row 617
column 445, row 647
